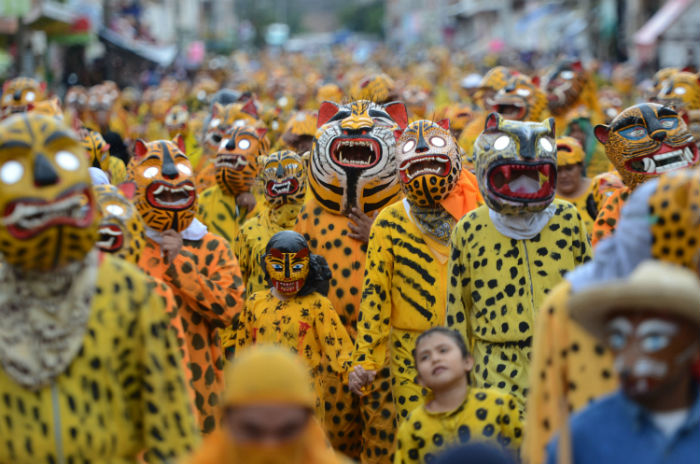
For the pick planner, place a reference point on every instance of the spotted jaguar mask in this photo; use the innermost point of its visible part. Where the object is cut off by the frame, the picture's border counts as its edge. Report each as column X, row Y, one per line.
column 121, row 229
column 520, row 100
column 283, row 177
column 176, row 120
column 20, row 95
column 353, row 161
column 681, row 91
column 646, row 140
column 563, row 84
column 429, row 162
column 224, row 118
column 48, row 207
column 165, row 195
column 236, row 161
column 516, row 164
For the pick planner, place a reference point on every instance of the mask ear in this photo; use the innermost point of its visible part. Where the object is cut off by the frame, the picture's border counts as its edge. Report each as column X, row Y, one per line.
column 398, row 133
column 42, row 87
column 326, row 112
column 140, row 149
column 250, row 109
column 444, row 123
column 535, row 81
column 217, row 110
column 261, row 131
column 180, row 142
column 577, row 66
column 492, row 121
column 552, row 131
column 398, row 113
column 602, row 133
column 128, row 189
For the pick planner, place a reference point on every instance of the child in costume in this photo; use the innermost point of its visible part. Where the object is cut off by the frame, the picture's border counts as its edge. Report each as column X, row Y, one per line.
column 197, row 265
column 268, row 414
column 406, row 268
column 294, row 311
column 506, row 255
column 650, row 321
column 89, row 369
column 453, row 412
column 352, row 175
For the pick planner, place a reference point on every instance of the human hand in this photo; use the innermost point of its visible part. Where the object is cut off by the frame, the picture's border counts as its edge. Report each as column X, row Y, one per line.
column 360, row 378
column 246, row 200
column 362, row 224
column 171, row 246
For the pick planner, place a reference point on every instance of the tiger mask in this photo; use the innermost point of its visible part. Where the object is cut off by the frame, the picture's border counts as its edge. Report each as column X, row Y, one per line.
column 121, row 229
column 520, row 100
column 49, row 214
column 516, row 164
column 283, row 176
column 165, row 195
column 20, row 95
column 563, row 85
column 353, row 160
column 646, row 140
column 236, row 160
column 429, row 162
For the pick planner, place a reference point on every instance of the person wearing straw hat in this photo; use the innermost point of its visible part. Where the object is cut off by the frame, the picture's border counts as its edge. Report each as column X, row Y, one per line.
column 651, row 323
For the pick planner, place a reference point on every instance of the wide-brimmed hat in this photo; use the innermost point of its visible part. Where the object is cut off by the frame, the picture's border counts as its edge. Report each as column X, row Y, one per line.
column 653, row 286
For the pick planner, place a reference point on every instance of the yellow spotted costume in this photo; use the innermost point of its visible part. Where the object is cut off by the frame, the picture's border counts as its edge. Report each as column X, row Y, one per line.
column 307, row 325
column 486, row 415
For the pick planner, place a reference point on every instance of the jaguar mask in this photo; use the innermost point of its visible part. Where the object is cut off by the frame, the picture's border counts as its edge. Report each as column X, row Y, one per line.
column 353, row 160
column 516, row 164
column 165, row 195
column 520, row 100
column 646, row 140
column 20, row 95
column 121, row 229
column 48, row 207
column 429, row 162
column 225, row 117
column 563, row 85
column 236, row 161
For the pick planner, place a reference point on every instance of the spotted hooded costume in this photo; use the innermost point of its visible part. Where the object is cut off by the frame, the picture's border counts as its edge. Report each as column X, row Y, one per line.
column 294, row 311
column 661, row 220
column 260, row 376
column 89, row 370
column 506, row 255
column 406, row 268
column 352, row 164
column 642, row 142
column 204, row 277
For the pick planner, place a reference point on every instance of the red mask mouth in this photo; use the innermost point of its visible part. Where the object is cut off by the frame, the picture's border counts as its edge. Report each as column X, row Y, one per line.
column 437, row 165
column 26, row 218
column 509, row 108
column 665, row 159
column 235, row 162
column 178, row 197
column 288, row 186
column 523, row 182
column 355, row 152
column 111, row 238
column 288, row 288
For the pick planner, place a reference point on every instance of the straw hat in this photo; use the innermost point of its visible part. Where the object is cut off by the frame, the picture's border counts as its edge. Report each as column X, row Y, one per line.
column 654, row 285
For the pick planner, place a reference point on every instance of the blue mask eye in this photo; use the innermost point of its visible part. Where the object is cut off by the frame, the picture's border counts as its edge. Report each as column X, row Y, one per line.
column 655, row 342
column 617, row 341
column 634, row 132
column 277, row 267
column 297, row 267
column 669, row 123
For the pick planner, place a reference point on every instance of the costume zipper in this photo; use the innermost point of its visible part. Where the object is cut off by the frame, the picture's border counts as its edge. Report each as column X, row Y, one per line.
column 529, row 274
column 60, row 459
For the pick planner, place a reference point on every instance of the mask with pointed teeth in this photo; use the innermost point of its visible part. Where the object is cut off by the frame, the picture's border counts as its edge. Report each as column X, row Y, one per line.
column 121, row 229
column 283, row 174
column 236, row 160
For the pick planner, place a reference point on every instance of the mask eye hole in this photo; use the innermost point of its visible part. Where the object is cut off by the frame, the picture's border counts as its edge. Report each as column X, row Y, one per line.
column 634, row 132
column 655, row 342
column 29, row 96
column 298, row 267
column 116, row 210
column 67, row 160
column 679, row 90
column 438, row 141
column 568, row 75
column 617, row 341
column 150, row 172
column 244, row 144
column 184, row 169
column 546, row 144
column 523, row 92
column 11, row 172
column 277, row 267
column 501, row 142
column 408, row 146
column 669, row 123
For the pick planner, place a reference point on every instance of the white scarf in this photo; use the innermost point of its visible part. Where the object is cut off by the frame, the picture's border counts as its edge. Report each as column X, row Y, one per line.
column 522, row 226
column 195, row 231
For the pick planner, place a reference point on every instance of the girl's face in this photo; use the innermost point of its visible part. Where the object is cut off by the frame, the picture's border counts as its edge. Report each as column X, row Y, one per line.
column 440, row 363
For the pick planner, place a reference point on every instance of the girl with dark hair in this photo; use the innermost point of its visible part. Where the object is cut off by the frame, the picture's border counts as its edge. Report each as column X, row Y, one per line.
column 453, row 412
column 294, row 311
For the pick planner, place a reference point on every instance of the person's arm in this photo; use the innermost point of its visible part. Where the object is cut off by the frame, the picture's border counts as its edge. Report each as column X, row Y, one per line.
column 215, row 288
column 583, row 252
column 334, row 338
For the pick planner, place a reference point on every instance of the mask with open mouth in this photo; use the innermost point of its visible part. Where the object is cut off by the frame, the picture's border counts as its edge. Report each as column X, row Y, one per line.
column 681, row 91
column 429, row 162
column 520, row 100
column 237, row 158
column 284, row 178
column 646, row 140
column 563, row 85
column 516, row 164
column 353, row 161
column 225, row 117
column 166, row 196
column 48, row 210
column 121, row 229
column 20, row 95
